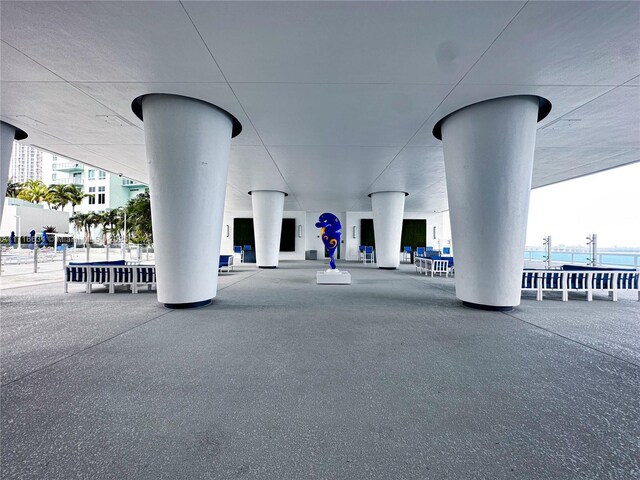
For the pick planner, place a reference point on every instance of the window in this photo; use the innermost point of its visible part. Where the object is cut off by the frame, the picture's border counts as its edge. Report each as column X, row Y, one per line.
column 92, row 198
column 54, row 176
column 91, row 174
column 102, row 174
column 101, row 195
column 101, row 189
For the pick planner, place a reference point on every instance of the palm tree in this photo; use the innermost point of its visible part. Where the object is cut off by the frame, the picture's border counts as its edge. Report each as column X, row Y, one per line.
column 76, row 195
column 60, row 195
column 139, row 219
column 34, row 191
column 85, row 221
column 110, row 221
column 13, row 189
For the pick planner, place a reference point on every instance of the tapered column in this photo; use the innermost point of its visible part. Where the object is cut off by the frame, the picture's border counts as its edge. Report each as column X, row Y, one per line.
column 8, row 133
column 488, row 154
column 268, row 206
column 188, row 143
column 388, row 211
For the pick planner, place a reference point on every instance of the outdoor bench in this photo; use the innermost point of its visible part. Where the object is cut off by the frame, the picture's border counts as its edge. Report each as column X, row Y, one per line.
column 111, row 273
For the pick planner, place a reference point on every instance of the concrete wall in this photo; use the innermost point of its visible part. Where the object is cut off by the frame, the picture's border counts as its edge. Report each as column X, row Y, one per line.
column 433, row 220
column 226, row 247
column 311, row 240
column 32, row 217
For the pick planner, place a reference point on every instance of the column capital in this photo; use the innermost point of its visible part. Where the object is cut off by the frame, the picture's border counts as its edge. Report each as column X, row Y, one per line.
column 19, row 133
column 544, row 107
column 136, row 106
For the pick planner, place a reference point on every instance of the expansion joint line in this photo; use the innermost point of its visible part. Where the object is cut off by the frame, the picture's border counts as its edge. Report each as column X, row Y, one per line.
column 37, row 370
column 511, row 314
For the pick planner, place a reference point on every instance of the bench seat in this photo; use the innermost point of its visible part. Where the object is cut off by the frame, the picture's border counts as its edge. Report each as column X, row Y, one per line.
column 112, row 273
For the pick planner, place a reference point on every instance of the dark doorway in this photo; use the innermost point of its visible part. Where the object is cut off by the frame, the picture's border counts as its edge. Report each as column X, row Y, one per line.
column 414, row 233
column 243, row 233
column 288, row 235
column 367, row 235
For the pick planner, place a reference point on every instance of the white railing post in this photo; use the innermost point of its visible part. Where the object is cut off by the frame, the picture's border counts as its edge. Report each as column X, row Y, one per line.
column 35, row 259
column 546, row 241
column 64, row 257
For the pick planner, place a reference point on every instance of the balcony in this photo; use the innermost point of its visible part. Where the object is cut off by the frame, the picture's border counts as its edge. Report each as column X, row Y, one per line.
column 132, row 183
column 69, row 181
column 69, row 167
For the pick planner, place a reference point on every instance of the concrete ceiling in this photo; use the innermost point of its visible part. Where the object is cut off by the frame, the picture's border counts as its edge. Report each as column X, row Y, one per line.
column 336, row 99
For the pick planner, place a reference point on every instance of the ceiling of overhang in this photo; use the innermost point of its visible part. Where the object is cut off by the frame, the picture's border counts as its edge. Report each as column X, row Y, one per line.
column 336, row 99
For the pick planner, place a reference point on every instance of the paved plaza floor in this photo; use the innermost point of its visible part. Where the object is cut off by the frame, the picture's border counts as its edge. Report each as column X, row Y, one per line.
column 388, row 378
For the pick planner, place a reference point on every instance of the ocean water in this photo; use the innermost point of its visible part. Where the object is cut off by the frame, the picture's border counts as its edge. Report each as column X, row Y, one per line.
column 621, row 259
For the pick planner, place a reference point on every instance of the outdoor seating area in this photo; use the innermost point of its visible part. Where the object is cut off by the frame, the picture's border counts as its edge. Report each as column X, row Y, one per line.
column 432, row 263
column 109, row 274
column 574, row 278
column 366, row 254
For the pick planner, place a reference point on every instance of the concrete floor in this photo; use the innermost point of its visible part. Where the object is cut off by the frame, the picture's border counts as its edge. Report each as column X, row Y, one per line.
column 389, row 378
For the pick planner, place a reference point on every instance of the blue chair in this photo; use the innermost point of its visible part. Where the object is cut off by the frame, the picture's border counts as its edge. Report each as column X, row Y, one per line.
column 429, row 249
column 369, row 255
column 420, row 252
column 361, row 252
column 238, row 249
column 406, row 253
column 446, row 250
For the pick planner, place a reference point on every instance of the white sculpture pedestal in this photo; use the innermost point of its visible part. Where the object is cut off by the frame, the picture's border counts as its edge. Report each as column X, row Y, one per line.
column 333, row 277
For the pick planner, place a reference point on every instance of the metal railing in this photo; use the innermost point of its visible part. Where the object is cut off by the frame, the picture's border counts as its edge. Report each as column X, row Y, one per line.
column 68, row 181
column 18, row 259
column 610, row 259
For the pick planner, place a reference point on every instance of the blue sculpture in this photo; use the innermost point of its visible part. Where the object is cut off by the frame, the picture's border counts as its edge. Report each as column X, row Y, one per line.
column 330, row 228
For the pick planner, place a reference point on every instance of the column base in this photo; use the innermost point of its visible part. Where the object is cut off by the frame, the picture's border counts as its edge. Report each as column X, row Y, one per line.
column 177, row 306
column 387, row 268
column 266, row 266
column 493, row 308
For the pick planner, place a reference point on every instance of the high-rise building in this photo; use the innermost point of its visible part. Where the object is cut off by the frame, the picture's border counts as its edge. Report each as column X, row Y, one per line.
column 26, row 163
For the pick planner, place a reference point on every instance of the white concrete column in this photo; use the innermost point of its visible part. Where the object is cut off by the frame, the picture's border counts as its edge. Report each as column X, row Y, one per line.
column 268, row 207
column 388, row 212
column 488, row 154
column 8, row 133
column 188, row 143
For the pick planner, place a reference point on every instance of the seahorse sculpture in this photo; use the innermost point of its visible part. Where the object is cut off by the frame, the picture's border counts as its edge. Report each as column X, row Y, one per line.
column 330, row 229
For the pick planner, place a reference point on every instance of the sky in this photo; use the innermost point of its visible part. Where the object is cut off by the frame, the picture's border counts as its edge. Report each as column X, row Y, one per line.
column 606, row 203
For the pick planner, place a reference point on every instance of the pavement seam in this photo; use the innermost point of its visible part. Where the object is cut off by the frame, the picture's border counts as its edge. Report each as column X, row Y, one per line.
column 84, row 349
column 241, row 280
column 510, row 314
column 46, row 282
column 106, row 339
